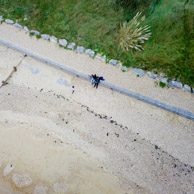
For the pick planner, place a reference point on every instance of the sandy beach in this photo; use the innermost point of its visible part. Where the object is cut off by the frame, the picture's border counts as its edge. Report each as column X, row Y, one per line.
column 94, row 141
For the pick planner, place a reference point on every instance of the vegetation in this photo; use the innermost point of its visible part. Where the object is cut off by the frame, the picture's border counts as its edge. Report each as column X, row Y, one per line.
column 96, row 24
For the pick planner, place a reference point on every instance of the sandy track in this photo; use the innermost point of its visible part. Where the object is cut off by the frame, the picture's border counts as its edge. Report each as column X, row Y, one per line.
column 110, row 143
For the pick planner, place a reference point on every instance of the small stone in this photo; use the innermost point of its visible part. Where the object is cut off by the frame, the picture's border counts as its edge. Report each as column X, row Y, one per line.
column 156, row 147
column 18, row 26
column 60, row 187
column 8, row 169
column 113, row 62
column 90, row 52
column 80, row 49
column 176, row 84
column 40, row 190
column 139, row 72
column 71, row 46
column 98, row 57
column 8, row 21
column 1, row 18
column 21, row 180
column 35, row 32
column 26, row 29
column 164, row 80
column 103, row 58
column 187, row 88
column 25, row 19
column 45, row 36
column 63, row 42
column 53, row 39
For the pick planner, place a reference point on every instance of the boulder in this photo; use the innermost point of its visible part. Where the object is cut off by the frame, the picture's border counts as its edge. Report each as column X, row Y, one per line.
column 152, row 75
column 71, row 46
column 21, row 180
column 45, row 36
column 80, row 49
column 26, row 29
column 18, row 26
column 90, row 52
column 139, row 72
column 63, row 42
column 123, row 68
column 187, row 88
column 164, row 80
column 53, row 39
column 176, row 84
column 8, row 21
column 35, row 32
column 1, row 18
column 113, row 62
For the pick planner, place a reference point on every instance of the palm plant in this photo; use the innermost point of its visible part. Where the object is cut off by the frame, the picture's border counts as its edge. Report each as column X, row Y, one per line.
column 132, row 35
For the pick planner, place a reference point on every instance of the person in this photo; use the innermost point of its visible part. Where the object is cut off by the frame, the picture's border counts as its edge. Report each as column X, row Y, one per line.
column 97, row 80
column 73, row 89
column 93, row 78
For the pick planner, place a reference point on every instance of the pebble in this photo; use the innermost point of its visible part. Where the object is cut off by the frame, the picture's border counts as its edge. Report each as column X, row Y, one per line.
column 21, row 180
column 26, row 29
column 1, row 18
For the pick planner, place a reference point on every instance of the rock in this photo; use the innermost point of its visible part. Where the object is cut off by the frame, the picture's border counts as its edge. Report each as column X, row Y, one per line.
column 21, row 180
column 25, row 19
column 60, row 187
column 1, row 18
column 80, row 49
column 45, row 36
column 8, row 169
column 63, row 42
column 98, row 57
column 152, row 75
column 26, row 29
column 40, row 190
column 176, row 84
column 113, row 62
column 35, row 32
column 8, row 21
column 90, row 52
column 139, row 72
column 18, row 26
column 164, row 80
column 123, row 68
column 187, row 88
column 53, row 39
column 71, row 46
column 103, row 58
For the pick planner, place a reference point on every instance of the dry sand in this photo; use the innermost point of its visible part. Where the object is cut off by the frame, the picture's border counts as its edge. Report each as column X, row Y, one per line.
column 94, row 141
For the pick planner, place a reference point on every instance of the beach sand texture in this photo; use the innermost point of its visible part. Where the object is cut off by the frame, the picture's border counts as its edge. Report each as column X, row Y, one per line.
column 94, row 141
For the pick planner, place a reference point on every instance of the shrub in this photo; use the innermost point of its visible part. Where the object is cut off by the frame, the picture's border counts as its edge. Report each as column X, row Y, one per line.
column 132, row 35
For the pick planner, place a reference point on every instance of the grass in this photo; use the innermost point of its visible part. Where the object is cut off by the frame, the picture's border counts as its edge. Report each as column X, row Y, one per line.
column 95, row 24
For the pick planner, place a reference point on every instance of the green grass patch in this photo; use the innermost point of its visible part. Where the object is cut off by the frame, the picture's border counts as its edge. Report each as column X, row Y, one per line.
column 95, row 24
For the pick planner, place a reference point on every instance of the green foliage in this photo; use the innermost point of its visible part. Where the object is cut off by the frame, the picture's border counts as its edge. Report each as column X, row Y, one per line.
column 132, row 35
column 162, row 85
column 95, row 24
